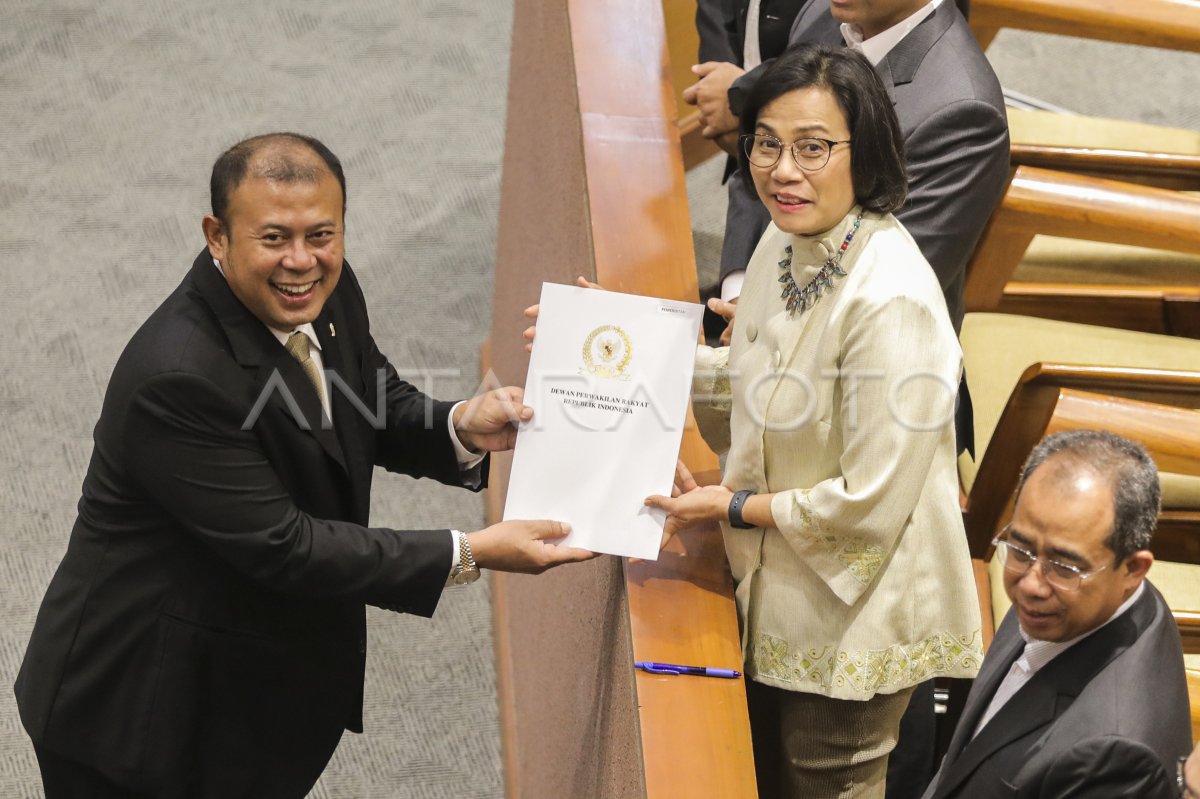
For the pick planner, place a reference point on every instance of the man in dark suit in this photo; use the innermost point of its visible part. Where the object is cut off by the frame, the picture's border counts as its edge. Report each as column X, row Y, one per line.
column 1082, row 693
column 205, row 633
column 951, row 112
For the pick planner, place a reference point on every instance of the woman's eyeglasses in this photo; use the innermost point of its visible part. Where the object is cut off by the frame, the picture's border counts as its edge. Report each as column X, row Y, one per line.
column 810, row 154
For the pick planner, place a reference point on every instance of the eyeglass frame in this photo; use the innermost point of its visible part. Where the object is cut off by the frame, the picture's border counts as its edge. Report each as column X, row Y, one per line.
column 1083, row 575
column 1185, row 790
column 747, row 139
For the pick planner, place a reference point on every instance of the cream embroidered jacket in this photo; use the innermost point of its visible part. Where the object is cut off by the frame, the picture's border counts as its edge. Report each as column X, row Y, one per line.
column 845, row 413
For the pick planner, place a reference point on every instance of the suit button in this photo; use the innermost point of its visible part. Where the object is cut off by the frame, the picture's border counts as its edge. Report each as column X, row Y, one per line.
column 751, row 332
column 362, row 646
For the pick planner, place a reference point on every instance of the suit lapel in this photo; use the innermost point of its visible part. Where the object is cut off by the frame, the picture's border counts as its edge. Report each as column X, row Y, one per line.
column 1005, row 649
column 340, row 365
column 253, row 346
column 901, row 63
column 1032, row 707
column 1043, row 699
column 816, row 25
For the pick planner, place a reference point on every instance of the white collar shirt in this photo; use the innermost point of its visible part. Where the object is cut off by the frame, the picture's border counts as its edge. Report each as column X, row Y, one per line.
column 751, row 55
column 878, row 46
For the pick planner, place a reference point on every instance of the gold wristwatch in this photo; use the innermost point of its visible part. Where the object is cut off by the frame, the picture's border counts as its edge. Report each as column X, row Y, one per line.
column 466, row 571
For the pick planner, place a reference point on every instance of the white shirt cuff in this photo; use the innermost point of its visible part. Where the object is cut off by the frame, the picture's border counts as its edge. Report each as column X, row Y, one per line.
column 454, row 534
column 466, row 459
column 731, row 286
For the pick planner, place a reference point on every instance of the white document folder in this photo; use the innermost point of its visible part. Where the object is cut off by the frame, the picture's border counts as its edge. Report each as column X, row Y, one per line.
column 609, row 380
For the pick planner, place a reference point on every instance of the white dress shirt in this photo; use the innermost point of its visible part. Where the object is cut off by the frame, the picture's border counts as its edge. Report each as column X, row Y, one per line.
column 751, row 55
column 878, row 46
column 1035, row 656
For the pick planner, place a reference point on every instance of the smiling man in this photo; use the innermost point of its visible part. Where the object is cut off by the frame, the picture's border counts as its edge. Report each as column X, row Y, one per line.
column 1061, row 707
column 205, row 633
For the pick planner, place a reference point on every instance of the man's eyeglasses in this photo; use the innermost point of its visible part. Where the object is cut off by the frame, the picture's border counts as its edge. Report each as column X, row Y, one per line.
column 1018, row 560
column 810, row 154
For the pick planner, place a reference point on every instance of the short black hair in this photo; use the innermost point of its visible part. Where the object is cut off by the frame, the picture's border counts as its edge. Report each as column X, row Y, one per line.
column 230, row 169
column 1130, row 472
column 877, row 166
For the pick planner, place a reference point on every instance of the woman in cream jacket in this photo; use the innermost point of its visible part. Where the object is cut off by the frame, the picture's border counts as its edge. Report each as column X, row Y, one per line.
column 834, row 405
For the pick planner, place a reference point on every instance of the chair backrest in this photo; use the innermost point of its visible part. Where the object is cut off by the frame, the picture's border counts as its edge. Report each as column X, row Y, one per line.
column 1091, row 209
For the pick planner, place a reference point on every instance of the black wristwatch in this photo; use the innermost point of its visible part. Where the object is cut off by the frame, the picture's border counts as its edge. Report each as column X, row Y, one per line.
column 735, row 510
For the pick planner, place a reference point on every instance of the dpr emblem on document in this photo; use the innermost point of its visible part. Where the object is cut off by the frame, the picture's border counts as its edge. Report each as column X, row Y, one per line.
column 606, row 352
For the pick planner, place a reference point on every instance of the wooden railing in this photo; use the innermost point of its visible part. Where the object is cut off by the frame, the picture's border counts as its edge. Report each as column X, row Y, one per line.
column 1172, row 24
column 593, row 185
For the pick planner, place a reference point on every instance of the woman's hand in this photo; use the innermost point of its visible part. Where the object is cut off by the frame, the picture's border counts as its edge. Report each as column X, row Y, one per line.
column 690, row 504
column 532, row 312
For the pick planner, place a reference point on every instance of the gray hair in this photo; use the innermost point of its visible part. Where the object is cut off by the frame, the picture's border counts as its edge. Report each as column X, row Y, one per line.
column 1130, row 472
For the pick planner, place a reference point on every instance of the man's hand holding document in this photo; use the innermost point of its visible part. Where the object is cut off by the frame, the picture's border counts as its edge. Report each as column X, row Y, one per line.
column 609, row 377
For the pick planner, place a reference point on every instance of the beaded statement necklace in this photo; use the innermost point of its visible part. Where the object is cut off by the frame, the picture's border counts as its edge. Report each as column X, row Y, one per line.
column 801, row 299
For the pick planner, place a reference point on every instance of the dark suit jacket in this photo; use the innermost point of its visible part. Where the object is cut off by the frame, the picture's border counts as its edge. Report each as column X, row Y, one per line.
column 721, row 25
column 1107, row 718
column 205, row 633
column 951, row 112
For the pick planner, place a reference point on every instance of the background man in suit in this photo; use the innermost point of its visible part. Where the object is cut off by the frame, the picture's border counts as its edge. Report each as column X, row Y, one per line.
column 1063, row 704
column 951, row 112
column 205, row 633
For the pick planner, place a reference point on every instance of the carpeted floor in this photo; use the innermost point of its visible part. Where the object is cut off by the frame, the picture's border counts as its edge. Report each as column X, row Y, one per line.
column 110, row 117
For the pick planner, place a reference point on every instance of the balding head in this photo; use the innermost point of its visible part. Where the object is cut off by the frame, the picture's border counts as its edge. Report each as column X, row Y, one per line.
column 1075, row 460
column 277, row 157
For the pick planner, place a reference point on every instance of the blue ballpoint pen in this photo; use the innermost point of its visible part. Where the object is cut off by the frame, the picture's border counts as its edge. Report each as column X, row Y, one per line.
column 698, row 671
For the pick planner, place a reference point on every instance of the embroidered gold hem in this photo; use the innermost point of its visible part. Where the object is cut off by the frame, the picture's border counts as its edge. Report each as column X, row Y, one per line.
column 861, row 559
column 829, row 670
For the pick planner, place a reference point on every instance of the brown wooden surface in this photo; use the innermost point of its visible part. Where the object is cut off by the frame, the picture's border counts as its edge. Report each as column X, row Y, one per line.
column 1177, row 537
column 1189, row 630
column 568, row 710
column 1164, row 170
column 683, row 48
column 1047, row 202
column 607, row 201
column 1165, row 310
column 1172, row 24
column 983, row 589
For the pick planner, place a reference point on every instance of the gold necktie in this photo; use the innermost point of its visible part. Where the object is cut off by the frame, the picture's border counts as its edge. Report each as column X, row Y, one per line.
column 297, row 347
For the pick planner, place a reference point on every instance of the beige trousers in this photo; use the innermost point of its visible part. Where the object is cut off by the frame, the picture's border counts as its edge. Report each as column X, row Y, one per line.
column 811, row 747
